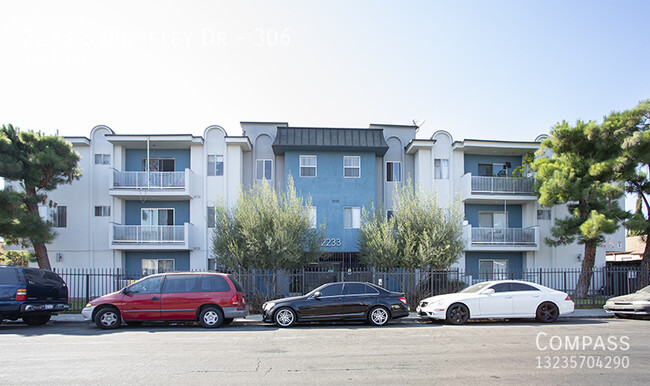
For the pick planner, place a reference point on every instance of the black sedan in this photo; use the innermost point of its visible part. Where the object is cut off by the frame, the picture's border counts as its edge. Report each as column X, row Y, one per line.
column 338, row 302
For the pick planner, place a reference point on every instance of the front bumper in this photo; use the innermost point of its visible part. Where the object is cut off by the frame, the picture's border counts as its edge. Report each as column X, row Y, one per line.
column 431, row 312
column 44, row 307
column 627, row 309
column 87, row 313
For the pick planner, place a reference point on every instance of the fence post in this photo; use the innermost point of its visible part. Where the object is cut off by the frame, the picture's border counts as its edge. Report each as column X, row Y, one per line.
column 87, row 288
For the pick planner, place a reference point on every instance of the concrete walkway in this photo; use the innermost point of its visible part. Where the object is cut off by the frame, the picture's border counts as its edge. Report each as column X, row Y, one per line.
column 412, row 318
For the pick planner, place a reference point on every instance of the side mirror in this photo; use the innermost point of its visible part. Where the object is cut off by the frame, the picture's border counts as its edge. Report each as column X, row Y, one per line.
column 488, row 291
column 317, row 295
column 126, row 291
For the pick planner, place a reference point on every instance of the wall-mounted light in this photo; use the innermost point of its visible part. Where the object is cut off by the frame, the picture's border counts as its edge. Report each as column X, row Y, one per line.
column 579, row 256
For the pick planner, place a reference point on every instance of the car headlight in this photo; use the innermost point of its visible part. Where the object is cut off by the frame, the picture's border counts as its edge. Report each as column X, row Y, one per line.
column 89, row 305
column 267, row 306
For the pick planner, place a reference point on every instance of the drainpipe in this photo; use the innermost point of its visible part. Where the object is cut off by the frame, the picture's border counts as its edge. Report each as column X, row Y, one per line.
column 148, row 177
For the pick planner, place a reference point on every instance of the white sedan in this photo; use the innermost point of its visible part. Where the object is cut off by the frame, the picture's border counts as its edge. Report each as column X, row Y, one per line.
column 498, row 299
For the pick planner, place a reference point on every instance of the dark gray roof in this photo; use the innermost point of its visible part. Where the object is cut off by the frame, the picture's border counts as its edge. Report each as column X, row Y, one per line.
column 312, row 138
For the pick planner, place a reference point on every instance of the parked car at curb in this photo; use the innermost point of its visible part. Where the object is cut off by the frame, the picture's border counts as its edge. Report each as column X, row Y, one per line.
column 31, row 294
column 497, row 300
column 347, row 301
column 630, row 305
column 212, row 299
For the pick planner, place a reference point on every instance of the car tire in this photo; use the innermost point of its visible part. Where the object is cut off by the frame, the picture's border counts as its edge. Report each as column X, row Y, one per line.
column 227, row 321
column 457, row 314
column 379, row 316
column 36, row 320
column 133, row 323
column 285, row 317
column 108, row 318
column 547, row 312
column 211, row 317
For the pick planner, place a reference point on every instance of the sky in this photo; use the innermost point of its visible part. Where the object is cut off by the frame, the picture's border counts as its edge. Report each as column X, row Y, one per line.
column 478, row 69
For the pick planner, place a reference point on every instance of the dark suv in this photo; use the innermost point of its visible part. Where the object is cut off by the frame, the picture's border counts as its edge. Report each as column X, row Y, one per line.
column 31, row 294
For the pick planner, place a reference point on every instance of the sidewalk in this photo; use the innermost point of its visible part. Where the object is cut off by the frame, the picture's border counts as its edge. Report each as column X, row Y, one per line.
column 588, row 313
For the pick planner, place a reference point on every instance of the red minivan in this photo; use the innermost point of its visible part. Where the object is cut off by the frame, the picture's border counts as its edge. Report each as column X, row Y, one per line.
column 214, row 299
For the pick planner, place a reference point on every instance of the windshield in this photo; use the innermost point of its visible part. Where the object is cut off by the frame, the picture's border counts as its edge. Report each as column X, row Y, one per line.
column 475, row 288
column 645, row 290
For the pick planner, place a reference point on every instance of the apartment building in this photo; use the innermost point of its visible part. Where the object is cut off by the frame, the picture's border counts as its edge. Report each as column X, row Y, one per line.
column 146, row 202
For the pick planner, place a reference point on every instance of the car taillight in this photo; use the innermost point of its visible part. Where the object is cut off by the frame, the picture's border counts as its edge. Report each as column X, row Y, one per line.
column 402, row 299
column 568, row 297
column 243, row 300
column 234, row 300
column 21, row 294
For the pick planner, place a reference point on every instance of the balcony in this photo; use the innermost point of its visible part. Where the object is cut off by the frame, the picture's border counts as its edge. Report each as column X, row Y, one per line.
column 137, row 237
column 160, row 185
column 502, row 239
column 497, row 188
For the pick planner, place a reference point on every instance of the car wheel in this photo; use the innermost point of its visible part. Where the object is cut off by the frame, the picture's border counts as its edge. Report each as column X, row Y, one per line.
column 133, row 323
column 227, row 321
column 36, row 320
column 285, row 317
column 378, row 316
column 108, row 318
column 211, row 317
column 547, row 312
column 457, row 314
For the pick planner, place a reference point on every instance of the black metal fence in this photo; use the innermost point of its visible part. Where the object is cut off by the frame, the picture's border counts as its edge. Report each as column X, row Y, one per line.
column 260, row 286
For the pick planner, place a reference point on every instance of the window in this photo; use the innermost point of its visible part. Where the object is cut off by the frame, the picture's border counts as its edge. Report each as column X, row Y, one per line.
column 152, row 266
column 351, row 166
column 393, row 171
column 493, row 269
column 497, row 220
column 58, row 216
column 352, row 217
column 493, row 169
column 308, row 166
column 212, row 217
column 214, row 283
column 264, row 169
column 441, row 168
column 102, row 211
column 312, row 216
column 159, row 164
column 543, row 214
column 332, row 290
column 102, row 159
column 154, row 216
column 389, row 214
column 215, row 165
column 150, row 285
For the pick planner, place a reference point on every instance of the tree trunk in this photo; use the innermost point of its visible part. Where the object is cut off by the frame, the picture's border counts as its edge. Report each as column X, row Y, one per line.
column 586, row 271
column 40, row 250
column 645, row 262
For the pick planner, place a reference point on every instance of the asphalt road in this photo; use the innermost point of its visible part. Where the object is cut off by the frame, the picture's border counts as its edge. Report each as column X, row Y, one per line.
column 401, row 353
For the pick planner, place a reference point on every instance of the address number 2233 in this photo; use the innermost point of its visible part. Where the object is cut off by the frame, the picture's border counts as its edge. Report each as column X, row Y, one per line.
column 331, row 242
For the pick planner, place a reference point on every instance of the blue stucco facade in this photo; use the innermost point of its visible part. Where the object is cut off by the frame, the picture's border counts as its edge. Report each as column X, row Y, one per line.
column 133, row 259
column 331, row 192
column 514, row 213
column 134, row 157
column 132, row 209
column 472, row 161
column 515, row 260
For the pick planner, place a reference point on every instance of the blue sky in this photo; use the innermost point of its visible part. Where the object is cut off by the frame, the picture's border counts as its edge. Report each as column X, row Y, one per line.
column 479, row 69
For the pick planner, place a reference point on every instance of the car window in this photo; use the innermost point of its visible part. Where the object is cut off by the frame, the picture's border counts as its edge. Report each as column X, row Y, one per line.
column 354, row 289
column 42, row 277
column 8, row 276
column 475, row 288
column 522, row 287
column 150, row 285
column 501, row 287
column 371, row 290
column 332, row 290
column 214, row 283
column 175, row 284
column 234, row 281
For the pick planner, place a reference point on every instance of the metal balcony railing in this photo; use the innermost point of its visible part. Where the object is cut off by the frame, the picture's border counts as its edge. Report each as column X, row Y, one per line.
column 504, row 236
column 513, row 185
column 151, row 180
column 145, row 234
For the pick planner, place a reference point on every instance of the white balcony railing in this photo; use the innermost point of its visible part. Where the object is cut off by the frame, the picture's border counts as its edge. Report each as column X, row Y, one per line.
column 512, row 185
column 144, row 234
column 150, row 180
column 504, row 236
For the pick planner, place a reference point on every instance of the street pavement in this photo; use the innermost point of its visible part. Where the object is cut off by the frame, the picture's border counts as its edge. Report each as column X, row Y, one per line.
column 592, row 350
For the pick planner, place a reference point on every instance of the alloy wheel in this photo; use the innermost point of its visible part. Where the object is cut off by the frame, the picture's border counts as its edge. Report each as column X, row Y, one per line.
column 379, row 316
column 457, row 314
column 285, row 317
